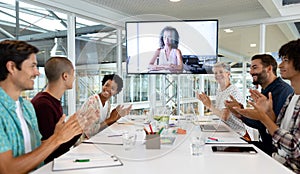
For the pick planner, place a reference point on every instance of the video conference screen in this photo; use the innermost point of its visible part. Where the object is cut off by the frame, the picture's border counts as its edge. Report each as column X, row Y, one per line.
column 171, row 47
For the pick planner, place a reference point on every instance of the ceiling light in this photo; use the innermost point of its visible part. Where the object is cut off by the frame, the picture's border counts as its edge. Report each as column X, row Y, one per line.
column 252, row 45
column 174, row 0
column 58, row 50
column 228, row 30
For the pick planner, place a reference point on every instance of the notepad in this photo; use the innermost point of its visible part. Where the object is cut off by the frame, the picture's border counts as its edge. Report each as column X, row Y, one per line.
column 167, row 140
column 67, row 162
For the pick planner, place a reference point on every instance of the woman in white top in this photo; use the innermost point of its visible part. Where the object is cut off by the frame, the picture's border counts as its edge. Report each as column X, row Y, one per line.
column 222, row 76
column 95, row 112
column 168, row 56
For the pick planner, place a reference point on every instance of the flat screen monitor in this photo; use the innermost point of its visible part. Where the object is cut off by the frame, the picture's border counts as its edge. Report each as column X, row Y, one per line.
column 171, row 47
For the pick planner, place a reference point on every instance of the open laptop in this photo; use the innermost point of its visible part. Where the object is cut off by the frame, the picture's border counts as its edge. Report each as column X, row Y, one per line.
column 214, row 128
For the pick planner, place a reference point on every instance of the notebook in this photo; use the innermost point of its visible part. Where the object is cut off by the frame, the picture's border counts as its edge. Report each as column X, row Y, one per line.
column 71, row 162
column 214, row 128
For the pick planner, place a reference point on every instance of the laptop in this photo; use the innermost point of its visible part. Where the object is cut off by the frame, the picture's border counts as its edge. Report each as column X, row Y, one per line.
column 214, row 128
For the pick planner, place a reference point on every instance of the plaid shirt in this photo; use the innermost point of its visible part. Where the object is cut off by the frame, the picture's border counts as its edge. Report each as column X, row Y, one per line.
column 11, row 136
column 289, row 140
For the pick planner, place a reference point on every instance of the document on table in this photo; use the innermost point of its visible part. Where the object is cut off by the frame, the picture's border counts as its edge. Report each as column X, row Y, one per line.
column 75, row 161
column 224, row 140
column 113, row 139
column 111, row 135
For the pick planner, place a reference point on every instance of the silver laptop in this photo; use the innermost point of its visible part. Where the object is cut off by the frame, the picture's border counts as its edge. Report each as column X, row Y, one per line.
column 214, row 128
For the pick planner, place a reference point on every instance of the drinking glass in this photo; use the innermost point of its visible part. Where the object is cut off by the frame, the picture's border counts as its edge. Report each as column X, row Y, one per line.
column 129, row 139
column 197, row 145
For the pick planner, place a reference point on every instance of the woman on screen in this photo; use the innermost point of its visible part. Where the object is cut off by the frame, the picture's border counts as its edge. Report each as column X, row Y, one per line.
column 168, row 56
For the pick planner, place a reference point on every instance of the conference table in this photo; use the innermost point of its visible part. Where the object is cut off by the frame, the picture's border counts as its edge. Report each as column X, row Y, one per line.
column 176, row 157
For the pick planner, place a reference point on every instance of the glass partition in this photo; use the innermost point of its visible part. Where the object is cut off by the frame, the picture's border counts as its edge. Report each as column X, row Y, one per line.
column 96, row 54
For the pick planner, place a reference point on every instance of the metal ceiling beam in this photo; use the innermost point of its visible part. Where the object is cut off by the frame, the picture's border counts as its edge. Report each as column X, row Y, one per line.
column 6, row 33
column 24, row 21
column 58, row 18
column 79, row 31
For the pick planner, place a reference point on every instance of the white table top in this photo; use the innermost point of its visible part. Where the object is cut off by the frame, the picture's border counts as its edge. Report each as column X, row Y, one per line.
column 176, row 158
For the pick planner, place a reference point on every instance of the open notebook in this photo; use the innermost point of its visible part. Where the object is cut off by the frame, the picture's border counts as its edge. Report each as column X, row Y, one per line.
column 75, row 161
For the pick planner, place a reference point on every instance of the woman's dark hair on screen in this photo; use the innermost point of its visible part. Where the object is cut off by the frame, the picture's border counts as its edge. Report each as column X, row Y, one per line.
column 175, row 37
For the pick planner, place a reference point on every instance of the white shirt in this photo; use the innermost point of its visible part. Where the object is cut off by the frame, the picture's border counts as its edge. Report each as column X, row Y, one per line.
column 104, row 110
column 24, row 127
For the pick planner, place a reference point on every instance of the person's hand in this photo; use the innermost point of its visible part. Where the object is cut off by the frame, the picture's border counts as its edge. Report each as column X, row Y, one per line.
column 204, row 99
column 225, row 114
column 262, row 101
column 114, row 116
column 257, row 113
column 117, row 113
column 122, row 111
column 157, row 67
column 87, row 116
column 233, row 103
column 65, row 131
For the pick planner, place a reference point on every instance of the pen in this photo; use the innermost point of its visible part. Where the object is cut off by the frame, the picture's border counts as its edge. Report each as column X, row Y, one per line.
column 82, row 160
column 159, row 132
column 151, row 129
column 211, row 138
column 147, row 133
column 114, row 135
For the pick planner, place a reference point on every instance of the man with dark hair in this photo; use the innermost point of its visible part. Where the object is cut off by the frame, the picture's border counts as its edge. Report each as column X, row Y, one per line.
column 263, row 71
column 21, row 149
column 285, row 131
column 95, row 113
column 47, row 104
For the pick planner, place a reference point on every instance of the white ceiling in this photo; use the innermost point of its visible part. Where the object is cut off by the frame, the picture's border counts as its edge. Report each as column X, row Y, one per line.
column 225, row 10
column 247, row 14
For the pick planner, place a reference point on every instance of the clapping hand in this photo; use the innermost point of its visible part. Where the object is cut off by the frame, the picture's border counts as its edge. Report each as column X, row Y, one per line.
column 257, row 113
column 122, row 111
column 118, row 112
column 233, row 103
column 262, row 101
column 65, row 131
column 204, row 99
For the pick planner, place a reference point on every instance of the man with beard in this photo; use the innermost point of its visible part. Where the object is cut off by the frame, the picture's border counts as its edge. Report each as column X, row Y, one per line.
column 263, row 71
column 285, row 130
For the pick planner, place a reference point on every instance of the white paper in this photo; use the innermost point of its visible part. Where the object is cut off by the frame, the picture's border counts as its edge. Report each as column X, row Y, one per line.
column 67, row 162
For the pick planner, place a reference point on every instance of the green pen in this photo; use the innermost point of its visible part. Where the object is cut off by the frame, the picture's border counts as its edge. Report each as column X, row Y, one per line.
column 82, row 160
column 159, row 132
